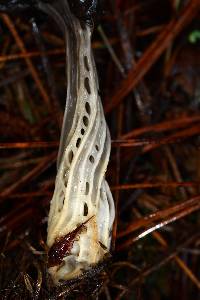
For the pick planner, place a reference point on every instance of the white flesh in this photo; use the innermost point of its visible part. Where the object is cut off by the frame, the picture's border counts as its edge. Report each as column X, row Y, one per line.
column 81, row 191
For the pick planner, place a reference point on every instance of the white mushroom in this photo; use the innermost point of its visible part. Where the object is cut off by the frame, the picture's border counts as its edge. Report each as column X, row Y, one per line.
column 82, row 209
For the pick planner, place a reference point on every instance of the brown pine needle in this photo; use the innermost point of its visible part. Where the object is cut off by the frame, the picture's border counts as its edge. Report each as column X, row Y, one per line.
column 152, row 54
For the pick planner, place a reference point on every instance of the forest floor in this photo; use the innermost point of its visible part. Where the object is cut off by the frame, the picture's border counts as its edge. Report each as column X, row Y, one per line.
column 148, row 60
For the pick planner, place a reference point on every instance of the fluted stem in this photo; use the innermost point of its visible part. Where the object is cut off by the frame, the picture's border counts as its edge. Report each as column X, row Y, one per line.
column 82, row 210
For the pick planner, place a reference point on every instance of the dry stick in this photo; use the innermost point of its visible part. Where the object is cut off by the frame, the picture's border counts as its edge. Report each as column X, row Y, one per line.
column 150, row 30
column 175, row 138
column 23, row 217
column 58, row 51
column 141, row 95
column 18, row 161
column 47, row 161
column 150, row 185
column 5, row 58
column 164, row 222
column 137, row 7
column 158, row 236
column 183, row 134
column 29, row 63
column 4, row 51
column 161, row 215
column 175, row 169
column 111, row 51
column 143, row 142
column 29, row 145
column 163, row 262
column 151, row 55
column 18, row 212
column 115, row 143
column 162, row 126
column 187, row 270
column 178, row 260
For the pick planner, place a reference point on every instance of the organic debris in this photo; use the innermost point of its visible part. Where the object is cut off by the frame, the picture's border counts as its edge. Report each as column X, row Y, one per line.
column 148, row 61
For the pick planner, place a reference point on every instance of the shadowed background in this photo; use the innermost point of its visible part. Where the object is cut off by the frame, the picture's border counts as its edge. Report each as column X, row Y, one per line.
column 148, row 61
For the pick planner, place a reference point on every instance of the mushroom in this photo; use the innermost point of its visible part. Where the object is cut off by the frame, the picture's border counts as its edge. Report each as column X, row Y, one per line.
column 82, row 209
